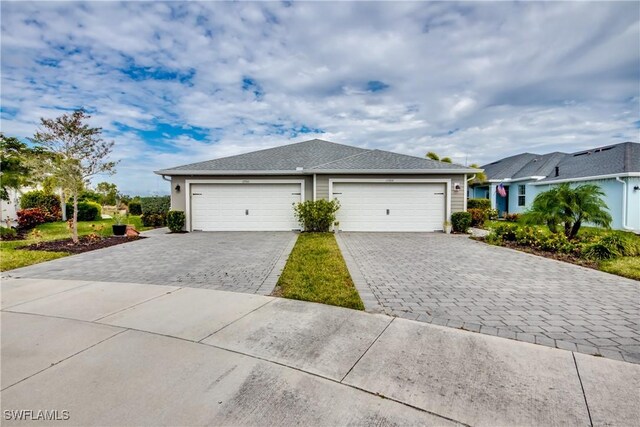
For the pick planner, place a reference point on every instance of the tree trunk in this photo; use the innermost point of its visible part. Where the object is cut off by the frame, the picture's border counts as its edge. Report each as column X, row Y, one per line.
column 63, row 206
column 575, row 229
column 74, row 224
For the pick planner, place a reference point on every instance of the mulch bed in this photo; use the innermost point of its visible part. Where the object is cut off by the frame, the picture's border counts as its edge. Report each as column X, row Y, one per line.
column 553, row 255
column 86, row 244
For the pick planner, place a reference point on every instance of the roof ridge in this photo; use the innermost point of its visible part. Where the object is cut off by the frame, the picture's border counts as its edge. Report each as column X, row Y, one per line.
column 416, row 157
column 367, row 151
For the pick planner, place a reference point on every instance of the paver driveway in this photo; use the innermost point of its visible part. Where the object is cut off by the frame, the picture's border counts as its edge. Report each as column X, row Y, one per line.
column 462, row 283
column 232, row 261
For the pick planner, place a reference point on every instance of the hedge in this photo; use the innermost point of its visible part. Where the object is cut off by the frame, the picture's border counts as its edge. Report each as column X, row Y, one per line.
column 479, row 204
column 154, row 210
column 135, row 208
column 87, row 211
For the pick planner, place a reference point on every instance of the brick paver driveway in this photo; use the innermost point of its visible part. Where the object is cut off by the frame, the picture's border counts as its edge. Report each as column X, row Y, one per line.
column 232, row 261
column 462, row 283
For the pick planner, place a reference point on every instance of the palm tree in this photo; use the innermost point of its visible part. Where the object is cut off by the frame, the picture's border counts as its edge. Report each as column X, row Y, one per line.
column 570, row 207
column 480, row 176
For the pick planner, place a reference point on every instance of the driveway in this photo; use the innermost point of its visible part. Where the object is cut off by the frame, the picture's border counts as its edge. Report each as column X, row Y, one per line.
column 458, row 282
column 132, row 354
column 234, row 261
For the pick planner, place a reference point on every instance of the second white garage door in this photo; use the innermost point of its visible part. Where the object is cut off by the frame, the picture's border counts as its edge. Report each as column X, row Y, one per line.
column 366, row 206
column 244, row 207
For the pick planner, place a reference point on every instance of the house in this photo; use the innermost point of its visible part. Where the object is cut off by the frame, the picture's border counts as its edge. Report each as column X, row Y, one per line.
column 378, row 190
column 615, row 168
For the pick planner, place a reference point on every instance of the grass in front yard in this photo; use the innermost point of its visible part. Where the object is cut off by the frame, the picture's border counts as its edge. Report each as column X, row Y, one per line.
column 11, row 258
column 628, row 266
column 315, row 271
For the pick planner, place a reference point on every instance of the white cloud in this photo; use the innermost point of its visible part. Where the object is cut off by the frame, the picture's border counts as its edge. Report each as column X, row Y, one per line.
column 475, row 81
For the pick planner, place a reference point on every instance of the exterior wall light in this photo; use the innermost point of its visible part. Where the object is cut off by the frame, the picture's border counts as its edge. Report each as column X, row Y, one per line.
column 178, row 188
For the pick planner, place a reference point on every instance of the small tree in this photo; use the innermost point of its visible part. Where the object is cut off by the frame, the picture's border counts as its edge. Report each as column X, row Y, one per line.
column 570, row 208
column 480, row 176
column 15, row 170
column 433, row 156
column 109, row 193
column 78, row 153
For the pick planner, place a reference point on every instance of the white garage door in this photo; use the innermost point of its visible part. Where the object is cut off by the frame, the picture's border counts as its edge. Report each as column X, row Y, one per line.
column 244, row 207
column 390, row 206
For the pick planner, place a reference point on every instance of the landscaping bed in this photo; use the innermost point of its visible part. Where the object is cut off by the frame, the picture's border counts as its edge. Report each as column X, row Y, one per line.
column 613, row 251
column 86, row 244
column 316, row 271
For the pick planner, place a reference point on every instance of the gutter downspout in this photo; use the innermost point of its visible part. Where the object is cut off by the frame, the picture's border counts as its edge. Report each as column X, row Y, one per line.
column 625, row 196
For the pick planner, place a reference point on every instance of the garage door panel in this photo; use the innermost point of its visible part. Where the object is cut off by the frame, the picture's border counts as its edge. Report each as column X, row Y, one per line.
column 390, row 206
column 244, row 207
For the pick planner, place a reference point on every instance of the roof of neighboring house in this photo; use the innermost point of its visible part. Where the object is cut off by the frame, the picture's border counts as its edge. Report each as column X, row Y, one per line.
column 315, row 156
column 607, row 160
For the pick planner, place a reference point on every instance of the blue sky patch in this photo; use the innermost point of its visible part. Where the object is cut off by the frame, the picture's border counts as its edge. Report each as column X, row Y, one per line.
column 376, row 86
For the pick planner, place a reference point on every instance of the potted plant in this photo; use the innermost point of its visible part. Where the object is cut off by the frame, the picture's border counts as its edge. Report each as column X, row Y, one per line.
column 447, row 227
column 119, row 229
column 336, row 226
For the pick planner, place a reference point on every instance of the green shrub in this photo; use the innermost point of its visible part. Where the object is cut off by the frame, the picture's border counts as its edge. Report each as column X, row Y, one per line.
column 176, row 220
column 484, row 204
column 478, row 216
column 492, row 213
column 90, row 196
column 461, row 221
column 599, row 251
column 7, row 233
column 555, row 242
column 87, row 211
column 154, row 210
column 135, row 208
column 316, row 216
column 48, row 203
column 505, row 232
column 153, row 220
column 155, row 205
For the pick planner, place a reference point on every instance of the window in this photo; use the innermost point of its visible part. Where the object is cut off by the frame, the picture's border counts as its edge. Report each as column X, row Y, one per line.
column 522, row 195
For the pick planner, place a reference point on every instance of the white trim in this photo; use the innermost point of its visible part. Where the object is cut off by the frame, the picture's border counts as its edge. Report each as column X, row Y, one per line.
column 319, row 172
column 446, row 182
column 589, row 178
column 625, row 197
column 508, row 180
column 314, row 187
column 464, row 204
column 188, row 182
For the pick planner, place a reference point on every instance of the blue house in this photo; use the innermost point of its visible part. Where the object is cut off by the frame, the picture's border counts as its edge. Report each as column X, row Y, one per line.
column 615, row 168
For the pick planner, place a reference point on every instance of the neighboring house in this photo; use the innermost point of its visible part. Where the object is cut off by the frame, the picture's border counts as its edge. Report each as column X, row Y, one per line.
column 615, row 168
column 378, row 190
column 9, row 207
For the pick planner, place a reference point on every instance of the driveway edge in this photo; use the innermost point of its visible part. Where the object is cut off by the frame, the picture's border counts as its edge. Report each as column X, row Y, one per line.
column 269, row 284
column 371, row 303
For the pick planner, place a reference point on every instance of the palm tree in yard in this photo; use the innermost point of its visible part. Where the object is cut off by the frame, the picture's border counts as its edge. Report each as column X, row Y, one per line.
column 570, row 208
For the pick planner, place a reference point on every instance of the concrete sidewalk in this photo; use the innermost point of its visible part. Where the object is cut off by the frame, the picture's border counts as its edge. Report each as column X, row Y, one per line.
column 131, row 354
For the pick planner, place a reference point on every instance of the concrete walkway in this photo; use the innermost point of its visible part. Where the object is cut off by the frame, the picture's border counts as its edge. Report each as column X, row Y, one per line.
column 132, row 354
column 454, row 281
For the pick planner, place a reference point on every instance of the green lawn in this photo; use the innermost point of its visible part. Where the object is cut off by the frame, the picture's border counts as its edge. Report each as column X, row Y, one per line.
column 11, row 258
column 315, row 271
column 628, row 266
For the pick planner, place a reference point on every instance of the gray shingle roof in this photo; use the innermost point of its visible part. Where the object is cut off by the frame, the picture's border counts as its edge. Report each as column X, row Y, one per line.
column 317, row 156
column 507, row 167
column 612, row 159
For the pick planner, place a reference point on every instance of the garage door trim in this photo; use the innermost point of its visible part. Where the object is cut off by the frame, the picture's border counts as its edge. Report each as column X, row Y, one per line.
column 189, row 182
column 445, row 181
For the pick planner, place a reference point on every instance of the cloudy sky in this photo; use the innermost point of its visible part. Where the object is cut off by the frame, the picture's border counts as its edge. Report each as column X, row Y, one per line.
column 174, row 83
